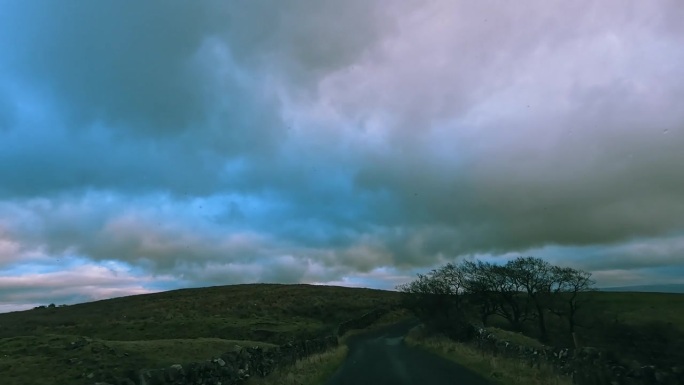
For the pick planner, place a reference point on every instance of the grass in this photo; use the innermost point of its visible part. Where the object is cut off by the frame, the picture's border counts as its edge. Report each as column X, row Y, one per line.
column 317, row 369
column 162, row 353
column 313, row 370
column 161, row 329
column 157, row 330
column 498, row 370
column 514, row 337
column 389, row 318
column 643, row 327
column 261, row 312
column 49, row 359
column 639, row 308
column 631, row 308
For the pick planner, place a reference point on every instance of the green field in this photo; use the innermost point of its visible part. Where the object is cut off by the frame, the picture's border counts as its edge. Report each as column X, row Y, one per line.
column 161, row 329
column 646, row 327
column 638, row 308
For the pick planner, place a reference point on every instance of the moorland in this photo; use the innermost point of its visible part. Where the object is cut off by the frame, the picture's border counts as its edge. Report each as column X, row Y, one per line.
column 161, row 329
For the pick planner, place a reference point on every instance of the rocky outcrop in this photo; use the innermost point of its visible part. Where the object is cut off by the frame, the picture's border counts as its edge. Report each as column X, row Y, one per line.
column 586, row 366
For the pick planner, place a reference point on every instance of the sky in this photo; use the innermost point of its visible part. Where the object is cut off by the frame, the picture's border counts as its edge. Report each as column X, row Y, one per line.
column 148, row 146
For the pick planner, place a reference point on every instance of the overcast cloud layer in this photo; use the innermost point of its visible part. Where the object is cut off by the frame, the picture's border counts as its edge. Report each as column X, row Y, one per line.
column 156, row 145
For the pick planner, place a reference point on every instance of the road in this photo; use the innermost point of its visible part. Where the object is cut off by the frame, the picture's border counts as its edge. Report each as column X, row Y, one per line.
column 382, row 358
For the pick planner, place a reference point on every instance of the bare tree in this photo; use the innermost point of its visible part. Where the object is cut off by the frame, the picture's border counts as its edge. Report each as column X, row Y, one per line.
column 568, row 286
column 429, row 295
column 535, row 277
column 523, row 289
column 480, row 287
column 437, row 299
column 495, row 284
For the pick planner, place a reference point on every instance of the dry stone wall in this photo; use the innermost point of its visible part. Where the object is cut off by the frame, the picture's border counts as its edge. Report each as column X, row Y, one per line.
column 362, row 322
column 586, row 366
column 230, row 368
column 236, row 366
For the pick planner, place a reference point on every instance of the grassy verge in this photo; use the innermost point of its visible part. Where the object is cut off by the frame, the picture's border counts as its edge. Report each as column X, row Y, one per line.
column 318, row 368
column 313, row 370
column 498, row 370
column 515, row 338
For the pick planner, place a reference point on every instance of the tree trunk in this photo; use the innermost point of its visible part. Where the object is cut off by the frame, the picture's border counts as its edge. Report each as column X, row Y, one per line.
column 542, row 325
column 576, row 341
column 571, row 322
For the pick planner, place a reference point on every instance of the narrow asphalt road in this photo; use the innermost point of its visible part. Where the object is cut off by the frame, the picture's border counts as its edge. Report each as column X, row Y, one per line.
column 382, row 358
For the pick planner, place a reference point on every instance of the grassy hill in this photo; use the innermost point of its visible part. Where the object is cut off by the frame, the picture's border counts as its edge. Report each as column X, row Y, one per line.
column 45, row 346
column 264, row 312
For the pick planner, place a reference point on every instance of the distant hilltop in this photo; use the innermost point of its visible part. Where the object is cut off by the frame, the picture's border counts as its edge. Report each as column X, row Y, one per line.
column 670, row 288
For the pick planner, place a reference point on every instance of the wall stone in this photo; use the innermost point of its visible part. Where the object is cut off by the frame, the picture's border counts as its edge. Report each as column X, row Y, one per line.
column 362, row 322
column 236, row 366
column 586, row 366
column 230, row 368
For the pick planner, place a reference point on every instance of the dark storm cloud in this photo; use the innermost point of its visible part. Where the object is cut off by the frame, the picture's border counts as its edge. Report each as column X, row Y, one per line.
column 315, row 140
column 144, row 67
column 123, row 63
column 163, row 89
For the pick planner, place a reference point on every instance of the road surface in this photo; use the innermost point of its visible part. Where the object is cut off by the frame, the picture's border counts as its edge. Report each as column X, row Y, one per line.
column 382, row 358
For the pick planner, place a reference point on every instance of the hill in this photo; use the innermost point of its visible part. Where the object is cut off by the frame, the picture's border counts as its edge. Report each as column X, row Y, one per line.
column 161, row 329
column 669, row 288
column 264, row 312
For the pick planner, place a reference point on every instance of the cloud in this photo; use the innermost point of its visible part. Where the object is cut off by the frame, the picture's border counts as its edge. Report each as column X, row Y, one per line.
column 325, row 141
column 112, row 62
column 29, row 289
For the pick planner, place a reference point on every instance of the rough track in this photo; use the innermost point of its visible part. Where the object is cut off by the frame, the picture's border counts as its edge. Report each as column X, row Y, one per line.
column 382, row 358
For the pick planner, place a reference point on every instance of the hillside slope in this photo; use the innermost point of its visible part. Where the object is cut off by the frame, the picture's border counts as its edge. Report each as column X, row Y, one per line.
column 82, row 343
column 262, row 312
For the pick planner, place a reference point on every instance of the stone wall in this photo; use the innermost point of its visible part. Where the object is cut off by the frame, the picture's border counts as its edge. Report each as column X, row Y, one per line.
column 362, row 322
column 236, row 366
column 230, row 368
column 586, row 366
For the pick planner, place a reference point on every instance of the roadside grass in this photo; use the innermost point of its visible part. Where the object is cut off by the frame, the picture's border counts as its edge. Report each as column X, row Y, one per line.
column 317, row 369
column 514, row 337
column 313, row 370
column 498, row 370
